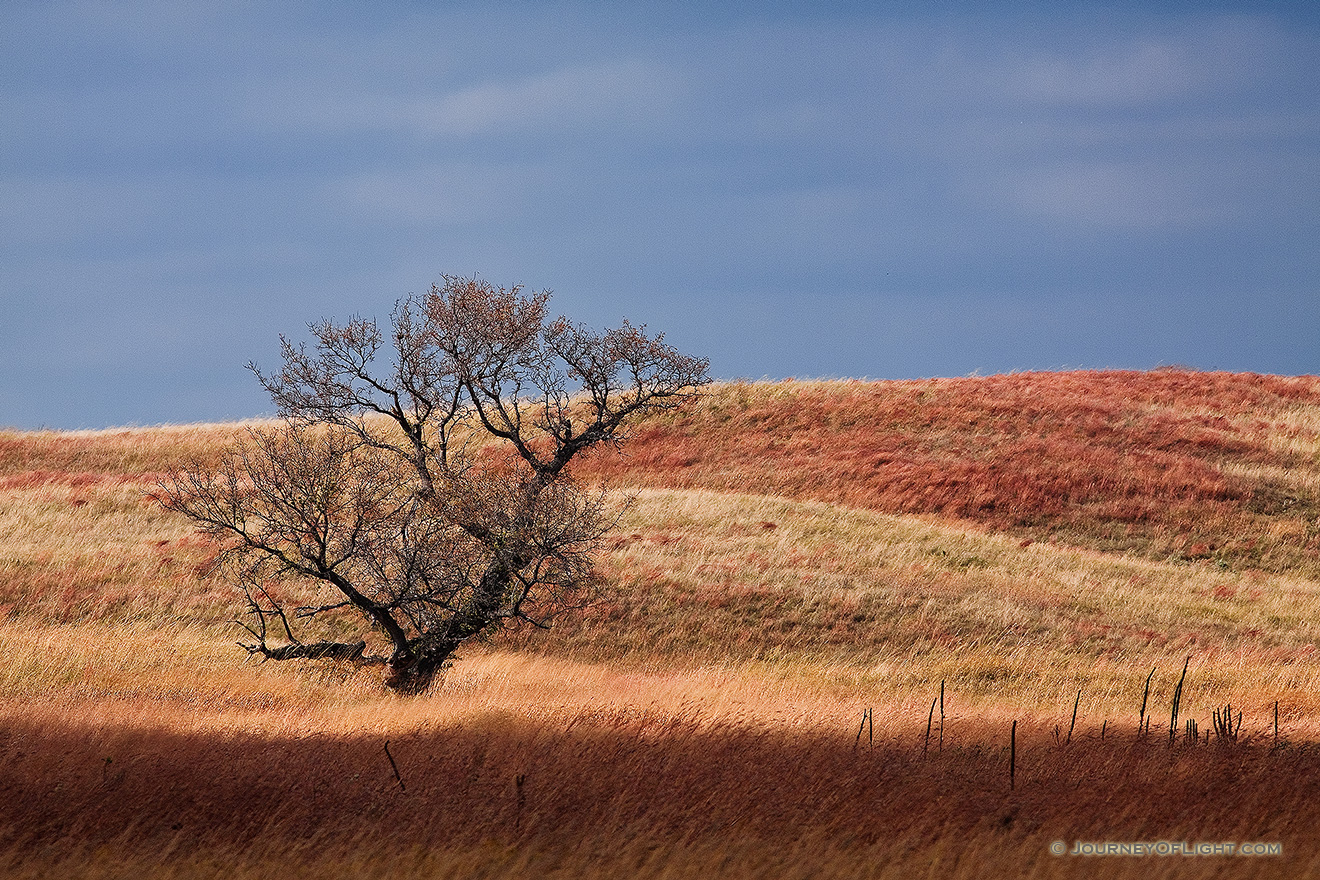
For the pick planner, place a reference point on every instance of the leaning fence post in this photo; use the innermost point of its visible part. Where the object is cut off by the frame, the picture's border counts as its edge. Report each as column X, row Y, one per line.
column 1012, row 756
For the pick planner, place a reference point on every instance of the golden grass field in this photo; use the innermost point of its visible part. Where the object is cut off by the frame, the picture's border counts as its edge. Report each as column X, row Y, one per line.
column 795, row 557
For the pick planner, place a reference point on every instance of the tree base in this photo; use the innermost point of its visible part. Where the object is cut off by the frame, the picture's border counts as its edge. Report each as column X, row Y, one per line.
column 413, row 677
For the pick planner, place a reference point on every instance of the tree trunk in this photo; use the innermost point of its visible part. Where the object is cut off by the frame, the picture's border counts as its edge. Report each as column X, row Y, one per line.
column 415, row 675
column 414, row 671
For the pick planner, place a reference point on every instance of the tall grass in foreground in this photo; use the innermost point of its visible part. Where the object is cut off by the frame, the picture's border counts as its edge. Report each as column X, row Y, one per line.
column 633, row 794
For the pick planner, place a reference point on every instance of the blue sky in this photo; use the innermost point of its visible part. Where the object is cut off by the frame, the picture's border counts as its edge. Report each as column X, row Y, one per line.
column 878, row 190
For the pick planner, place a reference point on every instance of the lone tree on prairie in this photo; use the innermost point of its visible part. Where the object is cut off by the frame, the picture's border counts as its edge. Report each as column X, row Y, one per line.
column 420, row 487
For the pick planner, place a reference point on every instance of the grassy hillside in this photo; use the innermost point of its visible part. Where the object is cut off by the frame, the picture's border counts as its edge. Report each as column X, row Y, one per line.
column 1166, row 464
column 794, row 554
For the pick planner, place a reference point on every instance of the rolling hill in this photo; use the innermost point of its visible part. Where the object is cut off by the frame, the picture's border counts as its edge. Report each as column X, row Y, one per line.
column 953, row 562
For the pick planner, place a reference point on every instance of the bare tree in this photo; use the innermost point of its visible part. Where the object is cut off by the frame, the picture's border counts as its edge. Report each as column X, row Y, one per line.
column 429, row 496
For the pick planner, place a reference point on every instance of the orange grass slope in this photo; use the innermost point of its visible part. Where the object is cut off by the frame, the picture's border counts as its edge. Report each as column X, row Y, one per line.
column 1215, row 466
column 81, row 536
column 123, row 454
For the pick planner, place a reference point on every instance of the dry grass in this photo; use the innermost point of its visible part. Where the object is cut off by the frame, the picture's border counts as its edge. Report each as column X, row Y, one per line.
column 102, row 551
column 1166, row 464
column 796, row 553
column 645, row 794
column 871, row 606
column 78, row 457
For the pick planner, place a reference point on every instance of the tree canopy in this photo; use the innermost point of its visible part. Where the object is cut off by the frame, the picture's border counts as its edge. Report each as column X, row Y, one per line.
column 419, row 482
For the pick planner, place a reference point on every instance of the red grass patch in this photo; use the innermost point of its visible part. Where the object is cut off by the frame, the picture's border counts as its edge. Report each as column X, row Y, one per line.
column 1083, row 451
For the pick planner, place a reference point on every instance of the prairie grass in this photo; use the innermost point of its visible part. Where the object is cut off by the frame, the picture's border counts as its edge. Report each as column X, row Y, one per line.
column 1169, row 463
column 125, row 453
column 872, row 604
column 101, row 550
column 633, row 795
column 793, row 555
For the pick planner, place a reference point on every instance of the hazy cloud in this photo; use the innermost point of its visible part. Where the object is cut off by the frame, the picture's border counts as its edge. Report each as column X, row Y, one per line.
column 628, row 92
column 1132, row 195
column 450, row 193
column 1144, row 72
column 564, row 100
